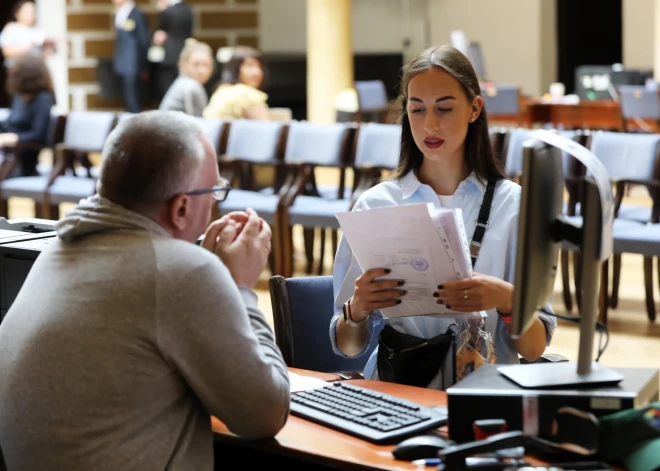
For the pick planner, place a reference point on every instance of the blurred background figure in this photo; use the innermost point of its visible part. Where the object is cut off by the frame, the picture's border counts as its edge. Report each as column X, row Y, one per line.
column 131, row 45
column 174, row 26
column 22, row 35
column 30, row 86
column 240, row 93
column 187, row 93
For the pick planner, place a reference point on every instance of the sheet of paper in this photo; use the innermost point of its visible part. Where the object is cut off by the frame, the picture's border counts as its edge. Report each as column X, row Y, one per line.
column 304, row 383
column 411, row 242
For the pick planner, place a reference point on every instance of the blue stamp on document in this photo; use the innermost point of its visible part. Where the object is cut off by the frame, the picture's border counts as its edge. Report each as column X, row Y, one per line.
column 419, row 263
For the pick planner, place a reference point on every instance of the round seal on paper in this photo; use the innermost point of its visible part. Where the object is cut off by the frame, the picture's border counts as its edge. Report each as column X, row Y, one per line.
column 419, row 263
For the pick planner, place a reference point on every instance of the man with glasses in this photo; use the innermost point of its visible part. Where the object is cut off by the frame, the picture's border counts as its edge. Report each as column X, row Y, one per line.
column 127, row 336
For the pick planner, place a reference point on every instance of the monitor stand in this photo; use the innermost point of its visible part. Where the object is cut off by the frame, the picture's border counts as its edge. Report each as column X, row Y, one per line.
column 585, row 372
column 554, row 375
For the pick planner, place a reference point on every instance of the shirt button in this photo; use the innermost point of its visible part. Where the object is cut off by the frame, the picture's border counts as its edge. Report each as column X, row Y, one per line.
column 460, row 197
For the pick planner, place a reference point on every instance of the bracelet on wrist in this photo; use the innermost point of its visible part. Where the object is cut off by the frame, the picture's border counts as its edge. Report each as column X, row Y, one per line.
column 348, row 318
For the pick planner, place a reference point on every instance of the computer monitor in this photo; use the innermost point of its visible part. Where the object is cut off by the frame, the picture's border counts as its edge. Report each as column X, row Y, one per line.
column 541, row 229
column 476, row 56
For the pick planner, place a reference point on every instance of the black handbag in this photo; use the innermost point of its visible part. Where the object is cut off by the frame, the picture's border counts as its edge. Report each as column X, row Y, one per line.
column 415, row 361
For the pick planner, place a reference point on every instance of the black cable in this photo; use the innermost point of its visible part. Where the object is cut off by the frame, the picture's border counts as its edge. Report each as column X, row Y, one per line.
column 600, row 328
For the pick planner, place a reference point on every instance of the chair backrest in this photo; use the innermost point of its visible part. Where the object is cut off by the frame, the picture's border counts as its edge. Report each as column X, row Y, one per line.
column 88, row 130
column 378, row 145
column 501, row 99
column 302, row 309
column 213, row 129
column 371, row 95
column 630, row 156
column 638, row 101
column 317, row 144
column 513, row 150
column 254, row 141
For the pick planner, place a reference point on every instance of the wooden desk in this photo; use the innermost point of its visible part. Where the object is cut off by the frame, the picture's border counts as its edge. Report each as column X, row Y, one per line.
column 587, row 114
column 597, row 114
column 302, row 442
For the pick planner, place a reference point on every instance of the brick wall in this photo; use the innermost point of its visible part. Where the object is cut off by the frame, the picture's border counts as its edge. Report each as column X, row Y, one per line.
column 91, row 37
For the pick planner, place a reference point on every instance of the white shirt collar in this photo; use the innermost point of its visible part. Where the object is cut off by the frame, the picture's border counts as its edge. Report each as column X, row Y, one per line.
column 122, row 14
column 410, row 184
column 175, row 2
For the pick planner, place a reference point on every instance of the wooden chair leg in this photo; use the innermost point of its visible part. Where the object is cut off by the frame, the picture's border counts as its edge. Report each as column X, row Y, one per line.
column 288, row 267
column 616, row 279
column 335, row 242
column 648, row 284
column 308, row 236
column 565, row 279
column 322, row 251
column 4, row 208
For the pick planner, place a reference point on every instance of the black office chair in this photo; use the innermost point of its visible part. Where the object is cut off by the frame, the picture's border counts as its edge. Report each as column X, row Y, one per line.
column 302, row 309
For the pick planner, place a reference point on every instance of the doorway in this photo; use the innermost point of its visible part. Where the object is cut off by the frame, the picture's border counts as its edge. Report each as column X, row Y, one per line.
column 589, row 32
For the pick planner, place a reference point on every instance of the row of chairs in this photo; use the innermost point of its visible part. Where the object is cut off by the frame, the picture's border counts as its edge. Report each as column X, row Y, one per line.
column 244, row 148
column 631, row 159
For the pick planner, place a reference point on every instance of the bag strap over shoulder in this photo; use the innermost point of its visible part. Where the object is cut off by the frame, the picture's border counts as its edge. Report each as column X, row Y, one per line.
column 482, row 221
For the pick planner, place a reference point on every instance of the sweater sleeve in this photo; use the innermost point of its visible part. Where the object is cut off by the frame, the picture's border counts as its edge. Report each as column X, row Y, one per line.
column 38, row 131
column 214, row 334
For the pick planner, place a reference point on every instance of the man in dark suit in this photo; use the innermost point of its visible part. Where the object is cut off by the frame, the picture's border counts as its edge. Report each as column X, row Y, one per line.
column 175, row 25
column 131, row 45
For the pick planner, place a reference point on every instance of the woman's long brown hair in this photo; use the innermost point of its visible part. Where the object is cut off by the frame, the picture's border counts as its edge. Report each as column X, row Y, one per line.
column 478, row 148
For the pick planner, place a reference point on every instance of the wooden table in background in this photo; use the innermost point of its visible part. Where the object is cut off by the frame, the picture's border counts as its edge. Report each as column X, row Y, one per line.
column 302, row 443
column 597, row 114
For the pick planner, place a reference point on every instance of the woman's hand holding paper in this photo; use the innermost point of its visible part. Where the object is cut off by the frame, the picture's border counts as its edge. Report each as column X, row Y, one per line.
column 479, row 293
column 372, row 294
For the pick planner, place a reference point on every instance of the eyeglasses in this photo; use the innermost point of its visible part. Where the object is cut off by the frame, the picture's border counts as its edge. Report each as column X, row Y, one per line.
column 220, row 190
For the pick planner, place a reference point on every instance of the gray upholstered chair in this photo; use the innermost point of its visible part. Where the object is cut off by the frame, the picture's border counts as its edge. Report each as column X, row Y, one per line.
column 250, row 143
column 308, row 146
column 85, row 132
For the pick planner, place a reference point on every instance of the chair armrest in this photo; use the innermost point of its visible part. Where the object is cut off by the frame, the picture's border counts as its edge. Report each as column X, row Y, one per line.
column 298, row 177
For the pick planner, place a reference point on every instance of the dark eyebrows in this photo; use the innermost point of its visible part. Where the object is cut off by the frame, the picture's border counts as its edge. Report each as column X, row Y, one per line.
column 444, row 98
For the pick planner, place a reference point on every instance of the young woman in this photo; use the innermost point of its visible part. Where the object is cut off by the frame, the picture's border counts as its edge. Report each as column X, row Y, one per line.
column 30, row 86
column 446, row 159
column 187, row 93
column 22, row 36
column 240, row 92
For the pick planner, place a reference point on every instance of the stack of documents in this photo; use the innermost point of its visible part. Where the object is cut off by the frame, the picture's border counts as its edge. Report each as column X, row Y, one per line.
column 421, row 244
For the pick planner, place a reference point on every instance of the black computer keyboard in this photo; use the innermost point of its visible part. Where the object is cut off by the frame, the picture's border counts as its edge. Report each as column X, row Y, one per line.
column 364, row 413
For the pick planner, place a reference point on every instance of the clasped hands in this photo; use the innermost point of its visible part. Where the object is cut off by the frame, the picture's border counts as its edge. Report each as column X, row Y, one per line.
column 242, row 240
column 478, row 293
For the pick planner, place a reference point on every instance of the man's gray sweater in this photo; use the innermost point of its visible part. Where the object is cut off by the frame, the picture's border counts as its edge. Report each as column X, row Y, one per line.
column 120, row 346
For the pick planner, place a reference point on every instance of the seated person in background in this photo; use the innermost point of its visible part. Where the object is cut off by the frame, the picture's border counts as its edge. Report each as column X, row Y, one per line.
column 446, row 159
column 240, row 94
column 187, row 93
column 127, row 336
column 30, row 86
column 22, row 36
